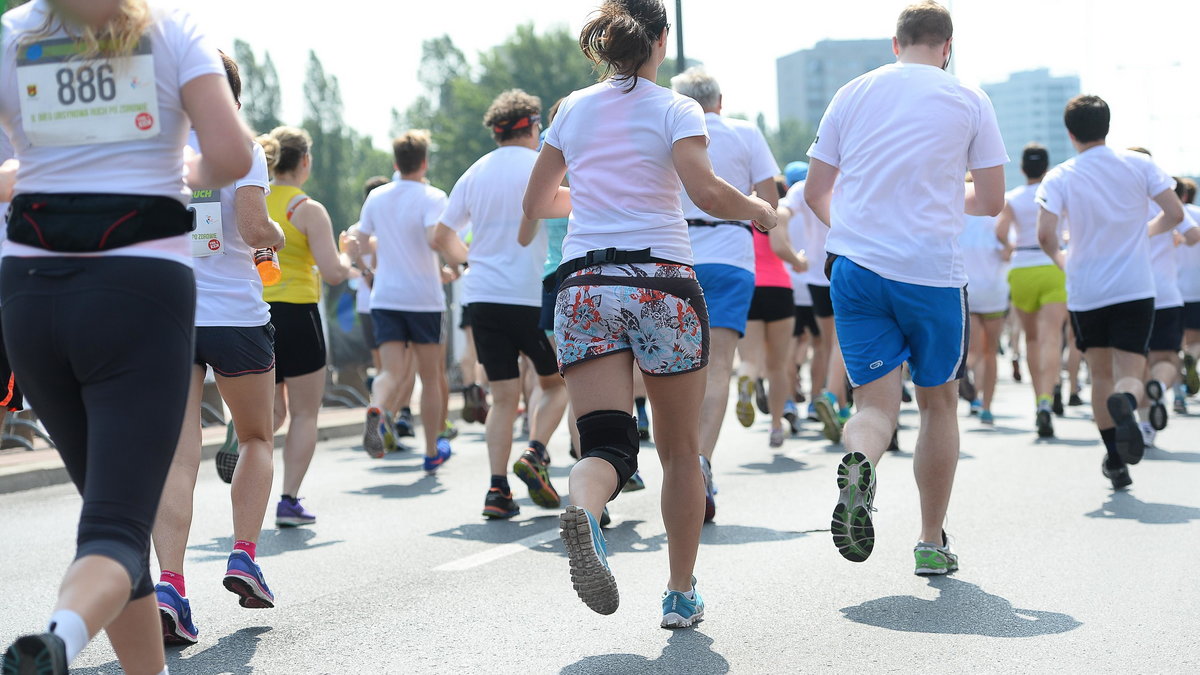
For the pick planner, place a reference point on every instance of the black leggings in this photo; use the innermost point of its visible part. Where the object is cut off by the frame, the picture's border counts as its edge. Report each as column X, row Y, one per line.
column 103, row 350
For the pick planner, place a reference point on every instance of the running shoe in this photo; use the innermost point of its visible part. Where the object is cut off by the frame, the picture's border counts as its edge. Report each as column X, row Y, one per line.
column 710, row 500
column 448, row 432
column 853, row 532
column 524, row 425
column 1158, row 410
column 1130, row 445
column 291, row 513
column 1016, row 370
column 175, row 612
column 643, row 427
column 1181, row 404
column 680, row 611
column 745, row 407
column 535, row 474
column 1075, row 401
column 760, row 397
column 634, row 483
column 499, row 506
column 1191, row 377
column 1056, row 403
column 976, row 407
column 588, row 554
column 792, row 415
column 44, row 654
column 605, row 519
column 1119, row 475
column 966, row 388
column 244, row 578
column 376, row 433
column 905, row 394
column 1045, row 423
column 470, row 402
column 481, row 404
column 933, row 559
column 432, row 464
column 404, row 424
column 800, row 397
column 812, row 412
column 227, row 456
column 775, row 440
column 987, row 419
column 1148, row 433
column 827, row 412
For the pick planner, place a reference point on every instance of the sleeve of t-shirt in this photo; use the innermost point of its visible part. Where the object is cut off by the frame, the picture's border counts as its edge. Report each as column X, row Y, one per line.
column 987, row 148
column 825, row 146
column 258, row 171
column 687, row 120
column 366, row 217
column 1157, row 180
column 435, row 205
column 762, row 162
column 457, row 214
column 197, row 54
column 553, row 135
column 1050, row 194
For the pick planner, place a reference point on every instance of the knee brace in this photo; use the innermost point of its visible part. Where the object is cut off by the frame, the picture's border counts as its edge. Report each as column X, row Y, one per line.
column 610, row 435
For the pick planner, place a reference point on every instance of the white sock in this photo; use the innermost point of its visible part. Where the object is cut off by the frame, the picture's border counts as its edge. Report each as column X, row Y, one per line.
column 690, row 595
column 70, row 627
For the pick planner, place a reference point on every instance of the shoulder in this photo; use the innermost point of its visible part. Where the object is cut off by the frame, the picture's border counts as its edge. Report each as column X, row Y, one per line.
column 309, row 209
column 434, row 193
column 1058, row 173
column 1016, row 193
column 27, row 17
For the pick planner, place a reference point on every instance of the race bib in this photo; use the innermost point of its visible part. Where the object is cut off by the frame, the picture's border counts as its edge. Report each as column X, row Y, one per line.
column 68, row 101
column 208, row 235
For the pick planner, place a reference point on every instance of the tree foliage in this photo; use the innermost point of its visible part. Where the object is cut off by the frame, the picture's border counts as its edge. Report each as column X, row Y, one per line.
column 261, row 98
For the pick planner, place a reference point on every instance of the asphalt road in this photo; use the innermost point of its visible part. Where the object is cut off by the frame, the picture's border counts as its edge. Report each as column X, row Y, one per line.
column 401, row 575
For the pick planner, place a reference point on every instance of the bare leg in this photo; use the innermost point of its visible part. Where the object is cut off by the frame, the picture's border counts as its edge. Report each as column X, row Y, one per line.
column 936, row 456
column 136, row 636
column 869, row 430
column 752, row 350
column 390, row 383
column 600, row 384
column 304, row 404
column 1050, row 326
column 835, row 375
column 247, row 398
column 428, row 360
column 822, row 350
column 506, row 396
column 174, row 519
column 722, row 344
column 989, row 342
column 550, row 402
column 778, row 364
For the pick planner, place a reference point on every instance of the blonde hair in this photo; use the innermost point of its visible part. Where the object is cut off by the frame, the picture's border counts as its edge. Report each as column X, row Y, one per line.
column 294, row 143
column 119, row 37
column 271, row 149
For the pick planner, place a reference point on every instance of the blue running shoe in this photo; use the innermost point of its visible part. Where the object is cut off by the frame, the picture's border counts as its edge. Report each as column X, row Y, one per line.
column 680, row 611
column 443, row 454
column 176, row 614
column 588, row 553
column 244, row 577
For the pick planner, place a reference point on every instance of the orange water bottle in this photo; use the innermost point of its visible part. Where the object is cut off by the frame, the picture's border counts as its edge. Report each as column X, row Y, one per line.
column 267, row 262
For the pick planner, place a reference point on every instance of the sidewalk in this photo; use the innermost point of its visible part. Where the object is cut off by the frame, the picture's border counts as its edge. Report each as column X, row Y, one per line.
column 26, row 470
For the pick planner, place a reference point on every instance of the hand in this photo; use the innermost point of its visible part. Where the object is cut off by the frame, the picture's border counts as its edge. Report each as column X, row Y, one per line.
column 449, row 274
column 1060, row 260
column 802, row 267
column 349, row 245
column 8, row 179
column 767, row 218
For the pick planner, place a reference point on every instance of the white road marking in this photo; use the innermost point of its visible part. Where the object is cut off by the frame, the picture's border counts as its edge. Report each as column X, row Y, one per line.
column 494, row 554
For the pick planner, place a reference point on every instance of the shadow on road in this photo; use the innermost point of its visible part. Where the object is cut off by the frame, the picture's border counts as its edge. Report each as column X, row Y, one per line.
column 687, row 651
column 426, row 485
column 270, row 543
column 1072, row 442
column 1124, row 506
column 232, row 655
column 740, row 534
column 778, row 464
column 961, row 608
column 1160, row 455
column 500, row 531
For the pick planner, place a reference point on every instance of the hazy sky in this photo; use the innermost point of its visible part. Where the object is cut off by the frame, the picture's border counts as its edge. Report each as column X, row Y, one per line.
column 1141, row 56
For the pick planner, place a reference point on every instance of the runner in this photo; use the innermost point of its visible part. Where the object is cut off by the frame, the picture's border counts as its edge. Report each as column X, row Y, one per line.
column 898, row 141
column 364, row 262
column 1110, row 282
column 723, row 252
column 407, row 298
column 629, row 293
column 234, row 338
column 1189, row 286
column 986, row 262
column 504, row 291
column 98, row 320
column 299, row 338
column 1039, row 289
column 807, row 333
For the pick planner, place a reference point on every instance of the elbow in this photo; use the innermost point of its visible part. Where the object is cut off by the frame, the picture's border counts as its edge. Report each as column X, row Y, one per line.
column 261, row 234
column 230, row 165
column 706, row 199
column 991, row 207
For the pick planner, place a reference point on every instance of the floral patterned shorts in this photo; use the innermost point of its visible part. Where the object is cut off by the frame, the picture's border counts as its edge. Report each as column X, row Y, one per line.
column 655, row 310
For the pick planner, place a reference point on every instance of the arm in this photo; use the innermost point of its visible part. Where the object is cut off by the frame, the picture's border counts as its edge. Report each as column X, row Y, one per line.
column 445, row 241
column 545, row 197
column 1047, row 230
column 781, row 245
column 985, row 195
column 1192, row 236
column 713, row 195
column 312, row 219
column 1172, row 212
column 528, row 230
column 1004, row 224
column 255, row 226
column 224, row 140
column 818, row 188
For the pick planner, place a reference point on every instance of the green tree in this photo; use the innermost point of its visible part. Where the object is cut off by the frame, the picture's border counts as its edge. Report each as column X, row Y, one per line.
column 790, row 142
column 261, row 98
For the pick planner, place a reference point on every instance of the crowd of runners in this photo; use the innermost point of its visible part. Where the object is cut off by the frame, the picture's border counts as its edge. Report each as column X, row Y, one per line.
column 625, row 257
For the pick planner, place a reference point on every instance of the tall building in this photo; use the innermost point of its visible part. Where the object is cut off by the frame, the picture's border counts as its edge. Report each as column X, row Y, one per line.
column 1029, row 107
column 808, row 79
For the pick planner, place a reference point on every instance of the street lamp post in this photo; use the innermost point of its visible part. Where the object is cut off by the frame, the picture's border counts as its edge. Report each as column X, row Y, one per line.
column 680, row 61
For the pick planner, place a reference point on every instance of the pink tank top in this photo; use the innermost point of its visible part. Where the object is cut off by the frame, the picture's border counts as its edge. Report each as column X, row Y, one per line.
column 769, row 270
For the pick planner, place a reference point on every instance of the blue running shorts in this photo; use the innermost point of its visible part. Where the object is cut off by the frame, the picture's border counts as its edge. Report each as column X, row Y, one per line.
column 728, row 292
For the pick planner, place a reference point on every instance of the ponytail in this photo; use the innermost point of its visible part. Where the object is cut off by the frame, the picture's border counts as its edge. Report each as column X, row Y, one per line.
column 620, row 36
column 271, row 149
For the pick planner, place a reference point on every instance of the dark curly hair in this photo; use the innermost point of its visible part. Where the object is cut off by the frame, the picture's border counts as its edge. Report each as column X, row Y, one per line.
column 512, row 115
column 620, row 35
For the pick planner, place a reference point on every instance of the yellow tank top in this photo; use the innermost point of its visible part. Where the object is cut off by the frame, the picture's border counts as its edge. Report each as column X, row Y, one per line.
column 300, row 282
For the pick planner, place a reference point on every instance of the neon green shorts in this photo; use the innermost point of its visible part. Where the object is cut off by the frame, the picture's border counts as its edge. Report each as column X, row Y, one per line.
column 1031, row 288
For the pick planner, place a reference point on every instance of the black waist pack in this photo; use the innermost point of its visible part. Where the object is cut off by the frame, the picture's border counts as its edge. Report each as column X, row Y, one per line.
column 85, row 223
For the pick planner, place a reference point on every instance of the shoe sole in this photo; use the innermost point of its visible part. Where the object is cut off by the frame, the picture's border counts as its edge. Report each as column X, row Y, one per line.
column 173, row 633
column 674, row 620
column 540, row 490
column 226, row 462
column 1130, row 444
column 1119, row 481
column 373, row 440
column 1191, row 379
column 29, row 656
column 592, row 580
column 1045, row 425
column 1158, row 411
column 497, row 514
column 760, row 399
column 631, row 486
column 853, row 531
column 745, row 407
column 294, row 522
column 829, row 418
column 250, row 594
column 936, row 571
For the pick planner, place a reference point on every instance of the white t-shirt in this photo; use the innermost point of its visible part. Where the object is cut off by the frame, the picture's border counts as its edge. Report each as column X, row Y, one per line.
column 488, row 200
column 1104, row 193
column 805, row 226
column 1028, row 252
column 903, row 136
column 228, row 286
column 1163, row 261
column 798, row 232
column 987, row 282
column 739, row 154
column 362, row 290
column 153, row 166
column 624, row 189
column 407, row 274
column 1188, row 261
